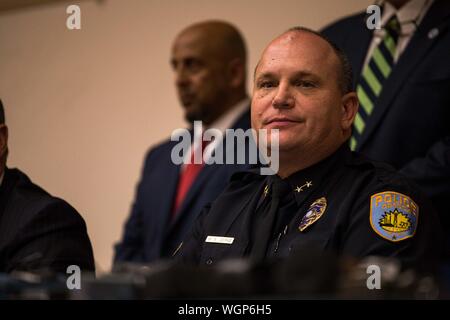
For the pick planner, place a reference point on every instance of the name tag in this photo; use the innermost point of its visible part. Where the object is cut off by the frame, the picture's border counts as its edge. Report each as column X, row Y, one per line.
column 216, row 239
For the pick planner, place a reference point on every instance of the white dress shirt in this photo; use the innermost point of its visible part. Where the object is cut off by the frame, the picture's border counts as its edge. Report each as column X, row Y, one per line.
column 412, row 11
column 224, row 122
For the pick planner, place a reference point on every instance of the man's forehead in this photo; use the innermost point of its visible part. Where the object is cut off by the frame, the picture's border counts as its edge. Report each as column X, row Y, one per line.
column 298, row 42
column 299, row 48
column 196, row 42
column 189, row 40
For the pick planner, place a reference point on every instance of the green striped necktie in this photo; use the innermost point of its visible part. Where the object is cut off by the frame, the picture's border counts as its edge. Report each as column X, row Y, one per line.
column 373, row 77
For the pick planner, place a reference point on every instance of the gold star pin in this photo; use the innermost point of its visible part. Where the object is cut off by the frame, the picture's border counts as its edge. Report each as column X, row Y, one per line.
column 301, row 188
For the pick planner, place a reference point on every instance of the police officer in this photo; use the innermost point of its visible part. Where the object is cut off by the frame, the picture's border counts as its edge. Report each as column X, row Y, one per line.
column 323, row 196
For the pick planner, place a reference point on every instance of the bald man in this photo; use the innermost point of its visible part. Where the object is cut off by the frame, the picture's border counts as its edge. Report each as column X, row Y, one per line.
column 209, row 64
column 324, row 197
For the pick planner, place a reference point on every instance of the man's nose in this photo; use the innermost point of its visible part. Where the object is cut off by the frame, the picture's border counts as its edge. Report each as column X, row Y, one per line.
column 283, row 98
column 181, row 77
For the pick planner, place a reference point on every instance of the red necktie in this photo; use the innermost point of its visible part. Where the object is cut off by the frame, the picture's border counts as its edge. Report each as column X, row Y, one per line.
column 187, row 178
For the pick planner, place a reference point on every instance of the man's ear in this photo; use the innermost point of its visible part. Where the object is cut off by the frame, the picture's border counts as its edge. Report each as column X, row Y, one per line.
column 3, row 139
column 236, row 73
column 350, row 107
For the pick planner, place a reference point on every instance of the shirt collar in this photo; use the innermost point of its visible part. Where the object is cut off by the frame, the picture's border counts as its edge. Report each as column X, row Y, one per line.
column 227, row 120
column 303, row 182
column 412, row 10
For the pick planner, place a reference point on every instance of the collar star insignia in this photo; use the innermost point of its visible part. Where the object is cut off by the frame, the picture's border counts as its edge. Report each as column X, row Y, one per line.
column 301, row 188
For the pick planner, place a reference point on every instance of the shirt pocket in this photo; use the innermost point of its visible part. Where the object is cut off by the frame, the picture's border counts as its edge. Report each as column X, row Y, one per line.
column 215, row 252
column 308, row 242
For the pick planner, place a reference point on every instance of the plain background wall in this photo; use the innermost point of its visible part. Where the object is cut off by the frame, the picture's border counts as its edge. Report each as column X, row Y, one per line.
column 83, row 106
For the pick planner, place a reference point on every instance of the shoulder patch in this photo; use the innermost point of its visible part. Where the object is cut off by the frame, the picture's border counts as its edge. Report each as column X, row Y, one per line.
column 393, row 215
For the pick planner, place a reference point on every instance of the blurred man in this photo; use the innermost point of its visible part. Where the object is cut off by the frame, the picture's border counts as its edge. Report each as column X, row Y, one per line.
column 402, row 74
column 37, row 231
column 324, row 196
column 209, row 63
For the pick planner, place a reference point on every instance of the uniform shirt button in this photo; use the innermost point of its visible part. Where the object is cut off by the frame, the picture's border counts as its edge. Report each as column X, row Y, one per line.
column 209, row 261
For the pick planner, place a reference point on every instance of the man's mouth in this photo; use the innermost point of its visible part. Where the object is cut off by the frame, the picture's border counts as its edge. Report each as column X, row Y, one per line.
column 186, row 99
column 279, row 122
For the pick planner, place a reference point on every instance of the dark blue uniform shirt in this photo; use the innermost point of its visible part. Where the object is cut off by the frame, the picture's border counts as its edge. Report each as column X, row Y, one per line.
column 345, row 204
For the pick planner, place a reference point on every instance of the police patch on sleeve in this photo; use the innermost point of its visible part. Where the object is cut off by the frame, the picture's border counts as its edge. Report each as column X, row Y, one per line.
column 393, row 215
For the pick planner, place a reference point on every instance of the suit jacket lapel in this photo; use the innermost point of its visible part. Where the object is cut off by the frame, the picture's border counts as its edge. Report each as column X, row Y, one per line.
column 237, row 222
column 419, row 45
column 357, row 45
column 203, row 175
column 169, row 189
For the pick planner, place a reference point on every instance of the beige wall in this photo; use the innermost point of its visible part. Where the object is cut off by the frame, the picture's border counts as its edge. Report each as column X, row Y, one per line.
column 84, row 106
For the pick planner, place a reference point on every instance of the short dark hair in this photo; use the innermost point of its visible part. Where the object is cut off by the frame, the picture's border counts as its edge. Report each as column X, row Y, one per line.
column 2, row 113
column 345, row 76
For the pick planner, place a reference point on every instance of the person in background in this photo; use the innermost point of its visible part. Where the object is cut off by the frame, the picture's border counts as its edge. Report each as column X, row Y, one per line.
column 402, row 74
column 38, row 232
column 209, row 64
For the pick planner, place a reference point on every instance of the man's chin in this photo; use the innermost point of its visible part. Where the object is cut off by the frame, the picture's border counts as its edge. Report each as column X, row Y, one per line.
column 283, row 146
column 192, row 115
column 288, row 145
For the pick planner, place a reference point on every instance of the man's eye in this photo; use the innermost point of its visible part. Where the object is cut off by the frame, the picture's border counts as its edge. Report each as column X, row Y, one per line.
column 266, row 84
column 193, row 65
column 193, row 68
column 305, row 84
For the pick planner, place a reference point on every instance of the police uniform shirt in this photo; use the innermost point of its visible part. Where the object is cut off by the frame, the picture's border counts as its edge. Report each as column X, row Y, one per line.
column 345, row 204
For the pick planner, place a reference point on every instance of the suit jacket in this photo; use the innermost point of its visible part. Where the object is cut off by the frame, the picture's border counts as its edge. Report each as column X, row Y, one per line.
column 149, row 232
column 38, row 231
column 409, row 127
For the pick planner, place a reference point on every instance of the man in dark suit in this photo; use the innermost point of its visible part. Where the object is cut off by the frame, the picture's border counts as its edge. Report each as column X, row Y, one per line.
column 209, row 62
column 38, row 232
column 402, row 77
